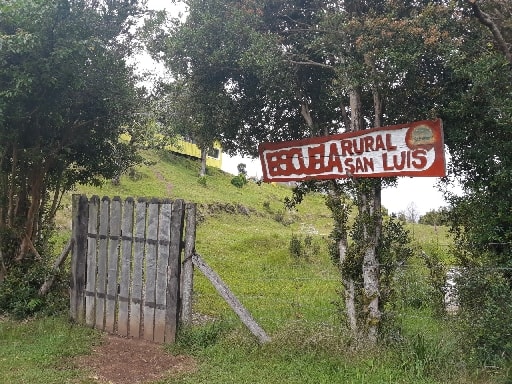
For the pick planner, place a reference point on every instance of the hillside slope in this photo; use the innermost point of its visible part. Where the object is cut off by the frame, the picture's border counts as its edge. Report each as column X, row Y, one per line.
column 248, row 235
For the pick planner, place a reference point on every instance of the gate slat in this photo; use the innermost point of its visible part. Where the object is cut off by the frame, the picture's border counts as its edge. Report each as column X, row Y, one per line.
column 102, row 263
column 138, row 265
column 161, row 270
column 173, row 271
column 113, row 262
column 126, row 259
column 92, row 242
column 151, row 255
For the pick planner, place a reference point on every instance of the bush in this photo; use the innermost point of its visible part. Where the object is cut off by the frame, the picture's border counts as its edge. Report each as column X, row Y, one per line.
column 202, row 181
column 485, row 312
column 239, row 181
column 19, row 293
column 305, row 248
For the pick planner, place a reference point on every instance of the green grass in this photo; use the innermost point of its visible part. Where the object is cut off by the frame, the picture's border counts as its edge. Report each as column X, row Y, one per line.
column 40, row 351
column 296, row 300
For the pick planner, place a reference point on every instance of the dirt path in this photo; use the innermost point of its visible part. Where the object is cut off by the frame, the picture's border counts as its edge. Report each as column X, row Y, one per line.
column 129, row 361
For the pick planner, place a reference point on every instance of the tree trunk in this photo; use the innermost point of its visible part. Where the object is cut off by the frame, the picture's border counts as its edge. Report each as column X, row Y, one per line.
column 349, row 291
column 369, row 212
column 36, row 185
column 371, row 284
column 3, row 270
column 204, row 153
column 12, row 184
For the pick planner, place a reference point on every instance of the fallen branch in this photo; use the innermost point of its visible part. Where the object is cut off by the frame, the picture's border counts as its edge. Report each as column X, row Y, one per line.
column 49, row 281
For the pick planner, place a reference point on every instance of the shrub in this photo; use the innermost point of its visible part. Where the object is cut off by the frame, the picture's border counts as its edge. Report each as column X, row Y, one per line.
column 303, row 248
column 202, row 181
column 19, row 293
column 295, row 247
column 239, row 181
column 485, row 312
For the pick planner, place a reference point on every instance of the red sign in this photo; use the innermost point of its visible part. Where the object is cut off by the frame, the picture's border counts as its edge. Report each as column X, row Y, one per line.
column 414, row 149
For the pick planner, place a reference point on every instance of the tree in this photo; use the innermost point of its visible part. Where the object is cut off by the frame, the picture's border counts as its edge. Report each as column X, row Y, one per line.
column 479, row 114
column 198, row 92
column 411, row 213
column 294, row 69
column 66, row 94
column 435, row 217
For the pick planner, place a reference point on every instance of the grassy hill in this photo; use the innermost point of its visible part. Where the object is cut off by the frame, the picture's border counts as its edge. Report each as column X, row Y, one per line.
column 245, row 235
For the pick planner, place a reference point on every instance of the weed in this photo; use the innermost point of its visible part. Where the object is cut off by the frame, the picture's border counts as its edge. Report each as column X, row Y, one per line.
column 202, row 181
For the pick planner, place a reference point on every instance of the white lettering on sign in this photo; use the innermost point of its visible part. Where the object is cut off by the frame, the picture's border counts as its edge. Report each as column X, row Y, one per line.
column 415, row 149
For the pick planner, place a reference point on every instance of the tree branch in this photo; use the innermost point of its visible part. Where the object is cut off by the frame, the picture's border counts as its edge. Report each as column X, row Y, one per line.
column 312, row 64
column 486, row 20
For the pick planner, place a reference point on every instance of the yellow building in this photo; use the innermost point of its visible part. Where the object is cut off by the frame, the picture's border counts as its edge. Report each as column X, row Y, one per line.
column 187, row 147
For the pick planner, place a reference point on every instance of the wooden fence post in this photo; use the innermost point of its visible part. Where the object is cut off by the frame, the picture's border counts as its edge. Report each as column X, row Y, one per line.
column 188, row 265
column 78, row 259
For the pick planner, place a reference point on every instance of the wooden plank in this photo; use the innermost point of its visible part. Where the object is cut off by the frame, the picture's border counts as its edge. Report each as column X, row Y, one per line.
column 164, row 231
column 150, row 276
column 112, row 263
column 102, row 263
column 138, row 268
column 92, row 242
column 187, row 287
column 126, row 258
column 78, row 260
column 231, row 299
column 173, row 271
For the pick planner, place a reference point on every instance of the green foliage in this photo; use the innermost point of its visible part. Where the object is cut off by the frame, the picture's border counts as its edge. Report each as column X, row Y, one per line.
column 19, row 293
column 423, row 355
column 394, row 251
column 436, row 217
column 202, row 181
column 295, row 302
column 295, row 247
column 303, row 247
column 485, row 312
column 66, row 95
column 239, row 181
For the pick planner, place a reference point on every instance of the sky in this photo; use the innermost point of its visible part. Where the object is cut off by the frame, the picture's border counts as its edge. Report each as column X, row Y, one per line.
column 417, row 191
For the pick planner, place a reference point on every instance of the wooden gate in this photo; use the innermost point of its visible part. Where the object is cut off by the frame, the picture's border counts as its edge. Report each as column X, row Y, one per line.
column 126, row 264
